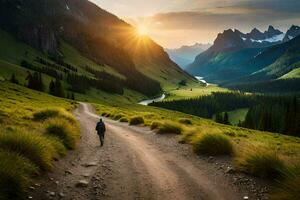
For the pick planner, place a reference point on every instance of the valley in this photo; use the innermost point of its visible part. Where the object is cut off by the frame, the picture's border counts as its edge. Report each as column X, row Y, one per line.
column 203, row 121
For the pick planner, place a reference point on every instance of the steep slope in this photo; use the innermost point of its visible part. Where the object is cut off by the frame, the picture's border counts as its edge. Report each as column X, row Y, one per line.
column 235, row 56
column 186, row 54
column 293, row 32
column 274, row 62
column 96, row 34
column 220, row 62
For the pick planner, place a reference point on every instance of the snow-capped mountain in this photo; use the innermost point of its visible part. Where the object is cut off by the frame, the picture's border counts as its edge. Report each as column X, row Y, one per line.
column 293, row 32
column 232, row 54
column 256, row 38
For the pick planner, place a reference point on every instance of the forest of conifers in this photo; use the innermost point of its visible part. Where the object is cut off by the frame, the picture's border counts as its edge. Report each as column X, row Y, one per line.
column 268, row 113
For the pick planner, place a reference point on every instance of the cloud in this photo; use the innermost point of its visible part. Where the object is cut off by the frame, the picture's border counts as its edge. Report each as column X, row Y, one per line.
column 177, row 22
column 221, row 17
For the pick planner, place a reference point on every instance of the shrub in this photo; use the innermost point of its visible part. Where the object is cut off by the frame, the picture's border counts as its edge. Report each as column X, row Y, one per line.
column 48, row 113
column 136, row 120
column 288, row 188
column 170, row 127
column 58, row 145
column 155, row 125
column 15, row 172
column 260, row 163
column 66, row 132
column 118, row 116
column 185, row 121
column 213, row 144
column 104, row 114
column 231, row 134
column 33, row 146
column 123, row 119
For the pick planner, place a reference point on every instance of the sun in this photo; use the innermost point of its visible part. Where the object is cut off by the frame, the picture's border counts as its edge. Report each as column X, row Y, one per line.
column 142, row 30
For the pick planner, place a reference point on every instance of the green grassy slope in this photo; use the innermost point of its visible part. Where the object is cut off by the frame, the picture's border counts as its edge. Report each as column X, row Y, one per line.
column 238, row 115
column 27, row 148
column 222, row 66
column 16, row 51
column 193, row 90
column 295, row 73
column 288, row 147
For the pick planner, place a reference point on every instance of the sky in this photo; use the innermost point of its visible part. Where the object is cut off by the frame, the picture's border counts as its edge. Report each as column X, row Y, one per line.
column 173, row 23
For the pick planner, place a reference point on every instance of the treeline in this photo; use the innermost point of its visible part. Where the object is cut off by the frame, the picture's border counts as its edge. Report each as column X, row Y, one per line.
column 272, row 86
column 103, row 52
column 277, row 114
column 81, row 84
column 35, row 82
column 45, row 70
column 59, row 60
column 268, row 113
column 102, row 81
column 54, row 66
column 134, row 80
column 207, row 106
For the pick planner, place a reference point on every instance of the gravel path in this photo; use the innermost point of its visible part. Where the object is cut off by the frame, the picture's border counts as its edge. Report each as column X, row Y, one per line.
column 135, row 163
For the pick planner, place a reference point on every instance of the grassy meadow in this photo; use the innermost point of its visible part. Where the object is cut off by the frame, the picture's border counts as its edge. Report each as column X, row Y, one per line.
column 192, row 90
column 252, row 151
column 35, row 129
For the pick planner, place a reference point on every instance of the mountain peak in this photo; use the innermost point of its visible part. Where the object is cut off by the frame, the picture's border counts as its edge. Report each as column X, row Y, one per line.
column 255, row 31
column 293, row 32
column 228, row 40
column 271, row 28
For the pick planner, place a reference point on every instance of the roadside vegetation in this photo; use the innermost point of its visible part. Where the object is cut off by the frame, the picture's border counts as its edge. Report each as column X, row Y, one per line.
column 209, row 138
column 35, row 130
column 274, row 113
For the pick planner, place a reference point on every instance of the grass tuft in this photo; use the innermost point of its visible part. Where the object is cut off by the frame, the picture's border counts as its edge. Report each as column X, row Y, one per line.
column 169, row 127
column 33, row 146
column 154, row 125
column 15, row 175
column 123, row 119
column 185, row 121
column 48, row 113
column 288, row 188
column 213, row 145
column 260, row 163
column 118, row 116
column 136, row 120
column 67, row 132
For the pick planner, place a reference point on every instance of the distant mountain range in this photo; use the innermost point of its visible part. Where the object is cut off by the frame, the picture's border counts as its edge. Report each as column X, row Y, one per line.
column 236, row 57
column 186, row 54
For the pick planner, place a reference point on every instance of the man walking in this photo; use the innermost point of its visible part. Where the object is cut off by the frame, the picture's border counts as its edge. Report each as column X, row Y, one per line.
column 100, row 128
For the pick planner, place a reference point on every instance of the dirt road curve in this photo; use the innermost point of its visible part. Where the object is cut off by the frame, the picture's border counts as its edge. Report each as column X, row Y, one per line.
column 133, row 164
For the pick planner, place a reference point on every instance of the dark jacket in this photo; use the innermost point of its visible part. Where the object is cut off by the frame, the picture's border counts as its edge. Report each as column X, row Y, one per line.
column 100, row 128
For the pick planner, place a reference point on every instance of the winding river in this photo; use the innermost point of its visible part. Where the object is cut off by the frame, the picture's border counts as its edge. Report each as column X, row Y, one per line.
column 147, row 102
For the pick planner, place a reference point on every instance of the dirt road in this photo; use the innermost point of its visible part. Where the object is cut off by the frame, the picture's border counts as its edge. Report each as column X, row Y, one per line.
column 134, row 164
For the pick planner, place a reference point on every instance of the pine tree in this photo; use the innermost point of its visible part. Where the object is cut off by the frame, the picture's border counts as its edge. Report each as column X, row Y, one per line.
column 219, row 118
column 30, row 80
column 59, row 91
column 226, row 119
column 13, row 79
column 73, row 96
column 52, row 88
column 41, row 86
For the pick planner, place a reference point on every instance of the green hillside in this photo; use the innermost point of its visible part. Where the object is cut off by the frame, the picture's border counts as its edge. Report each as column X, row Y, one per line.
column 102, row 42
column 218, row 67
column 295, row 73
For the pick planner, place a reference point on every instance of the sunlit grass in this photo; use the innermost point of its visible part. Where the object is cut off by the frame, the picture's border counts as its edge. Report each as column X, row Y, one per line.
column 66, row 131
column 15, row 175
column 25, row 148
column 213, row 145
column 261, row 163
